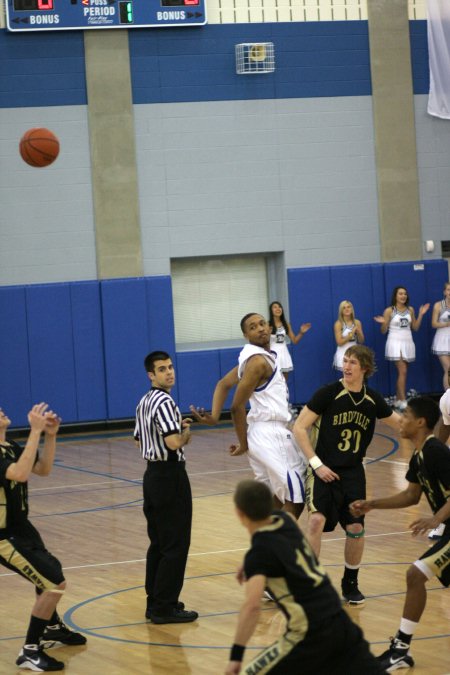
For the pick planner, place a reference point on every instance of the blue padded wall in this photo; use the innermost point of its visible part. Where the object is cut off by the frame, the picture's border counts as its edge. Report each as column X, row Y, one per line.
column 50, row 344
column 197, row 375
column 310, row 300
column 88, row 351
column 15, row 398
column 137, row 318
column 81, row 346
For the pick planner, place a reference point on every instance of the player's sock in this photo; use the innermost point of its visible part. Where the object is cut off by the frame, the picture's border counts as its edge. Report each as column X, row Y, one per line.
column 35, row 631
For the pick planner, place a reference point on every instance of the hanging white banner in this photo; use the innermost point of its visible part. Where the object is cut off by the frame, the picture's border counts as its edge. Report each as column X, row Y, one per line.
column 438, row 29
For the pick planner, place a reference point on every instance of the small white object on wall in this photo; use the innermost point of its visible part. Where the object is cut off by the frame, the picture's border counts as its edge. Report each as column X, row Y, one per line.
column 253, row 58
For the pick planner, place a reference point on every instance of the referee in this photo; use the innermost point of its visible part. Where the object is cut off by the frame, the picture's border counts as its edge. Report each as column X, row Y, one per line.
column 161, row 434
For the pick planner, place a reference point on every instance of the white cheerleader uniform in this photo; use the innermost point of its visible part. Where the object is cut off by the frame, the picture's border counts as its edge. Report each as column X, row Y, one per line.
column 399, row 343
column 272, row 452
column 441, row 340
column 278, row 344
column 341, row 349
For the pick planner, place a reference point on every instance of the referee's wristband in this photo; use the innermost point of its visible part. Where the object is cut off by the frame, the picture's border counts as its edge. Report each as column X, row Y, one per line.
column 237, row 652
column 315, row 463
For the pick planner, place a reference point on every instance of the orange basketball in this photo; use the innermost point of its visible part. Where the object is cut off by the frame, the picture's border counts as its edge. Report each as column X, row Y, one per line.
column 39, row 147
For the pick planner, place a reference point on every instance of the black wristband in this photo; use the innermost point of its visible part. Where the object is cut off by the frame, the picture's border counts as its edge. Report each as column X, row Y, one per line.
column 237, row 653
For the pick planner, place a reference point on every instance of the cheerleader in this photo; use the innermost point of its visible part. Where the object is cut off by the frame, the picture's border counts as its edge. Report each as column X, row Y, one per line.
column 347, row 332
column 441, row 342
column 280, row 331
column 399, row 319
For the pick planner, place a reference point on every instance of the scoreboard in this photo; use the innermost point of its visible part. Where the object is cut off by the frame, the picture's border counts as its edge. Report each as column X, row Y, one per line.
column 26, row 15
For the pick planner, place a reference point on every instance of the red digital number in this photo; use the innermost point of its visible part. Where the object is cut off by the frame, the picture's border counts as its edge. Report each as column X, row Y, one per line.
column 191, row 2
column 45, row 4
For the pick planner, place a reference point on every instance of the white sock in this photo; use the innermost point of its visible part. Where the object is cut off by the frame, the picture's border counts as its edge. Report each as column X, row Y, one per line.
column 408, row 627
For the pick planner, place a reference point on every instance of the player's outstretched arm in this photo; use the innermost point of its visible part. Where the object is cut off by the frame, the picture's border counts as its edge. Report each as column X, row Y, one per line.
column 20, row 471
column 400, row 500
column 223, row 388
column 44, row 464
column 257, row 371
column 248, row 618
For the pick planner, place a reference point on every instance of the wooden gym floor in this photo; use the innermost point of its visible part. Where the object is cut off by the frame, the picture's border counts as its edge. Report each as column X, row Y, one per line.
column 89, row 512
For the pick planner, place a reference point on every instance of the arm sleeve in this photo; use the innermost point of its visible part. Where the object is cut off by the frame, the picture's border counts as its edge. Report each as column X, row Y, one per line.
column 321, row 399
column 383, row 409
column 166, row 420
column 411, row 474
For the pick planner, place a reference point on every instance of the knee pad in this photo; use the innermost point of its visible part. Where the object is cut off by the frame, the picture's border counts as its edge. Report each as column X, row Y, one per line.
column 355, row 535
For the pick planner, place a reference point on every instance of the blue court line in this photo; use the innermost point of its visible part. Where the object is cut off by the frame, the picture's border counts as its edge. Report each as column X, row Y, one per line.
column 395, row 447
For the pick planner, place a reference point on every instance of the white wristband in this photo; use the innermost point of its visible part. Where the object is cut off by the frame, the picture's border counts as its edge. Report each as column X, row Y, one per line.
column 315, row 463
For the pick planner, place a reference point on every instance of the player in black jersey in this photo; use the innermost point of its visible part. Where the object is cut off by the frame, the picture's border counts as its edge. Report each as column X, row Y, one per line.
column 341, row 417
column 428, row 473
column 320, row 638
column 21, row 547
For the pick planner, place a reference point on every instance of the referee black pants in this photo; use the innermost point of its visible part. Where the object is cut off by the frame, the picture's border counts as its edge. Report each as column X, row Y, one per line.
column 168, row 510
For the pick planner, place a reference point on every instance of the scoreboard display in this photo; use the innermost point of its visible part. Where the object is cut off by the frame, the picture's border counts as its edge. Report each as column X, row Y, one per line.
column 25, row 15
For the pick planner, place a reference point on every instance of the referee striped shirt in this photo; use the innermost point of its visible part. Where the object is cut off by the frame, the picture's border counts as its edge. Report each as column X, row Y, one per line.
column 158, row 416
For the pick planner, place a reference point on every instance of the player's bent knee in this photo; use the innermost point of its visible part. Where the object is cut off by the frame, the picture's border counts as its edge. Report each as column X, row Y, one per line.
column 414, row 577
column 316, row 523
column 355, row 531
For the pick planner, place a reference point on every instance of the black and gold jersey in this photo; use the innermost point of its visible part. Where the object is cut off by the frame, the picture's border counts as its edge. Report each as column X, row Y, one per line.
column 346, row 423
column 295, row 578
column 430, row 467
column 13, row 496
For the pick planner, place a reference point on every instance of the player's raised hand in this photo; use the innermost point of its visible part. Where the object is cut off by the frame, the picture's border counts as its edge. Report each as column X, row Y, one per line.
column 53, row 422
column 36, row 416
column 200, row 415
column 423, row 309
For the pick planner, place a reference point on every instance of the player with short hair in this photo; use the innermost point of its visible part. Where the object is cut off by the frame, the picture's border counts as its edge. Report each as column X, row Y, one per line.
column 428, row 473
column 264, row 433
column 341, row 417
column 21, row 547
column 319, row 638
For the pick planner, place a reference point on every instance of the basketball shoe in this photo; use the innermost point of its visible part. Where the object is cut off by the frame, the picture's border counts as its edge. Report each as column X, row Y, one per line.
column 59, row 635
column 351, row 593
column 396, row 656
column 32, row 657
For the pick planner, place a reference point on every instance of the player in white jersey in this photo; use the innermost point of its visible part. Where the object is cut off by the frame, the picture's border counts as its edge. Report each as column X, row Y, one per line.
column 263, row 434
column 443, row 433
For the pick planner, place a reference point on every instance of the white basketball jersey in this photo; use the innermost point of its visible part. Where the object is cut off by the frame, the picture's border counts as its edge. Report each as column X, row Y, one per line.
column 269, row 402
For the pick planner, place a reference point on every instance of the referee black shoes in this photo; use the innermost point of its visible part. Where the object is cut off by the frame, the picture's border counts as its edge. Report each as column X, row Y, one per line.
column 149, row 610
column 175, row 616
